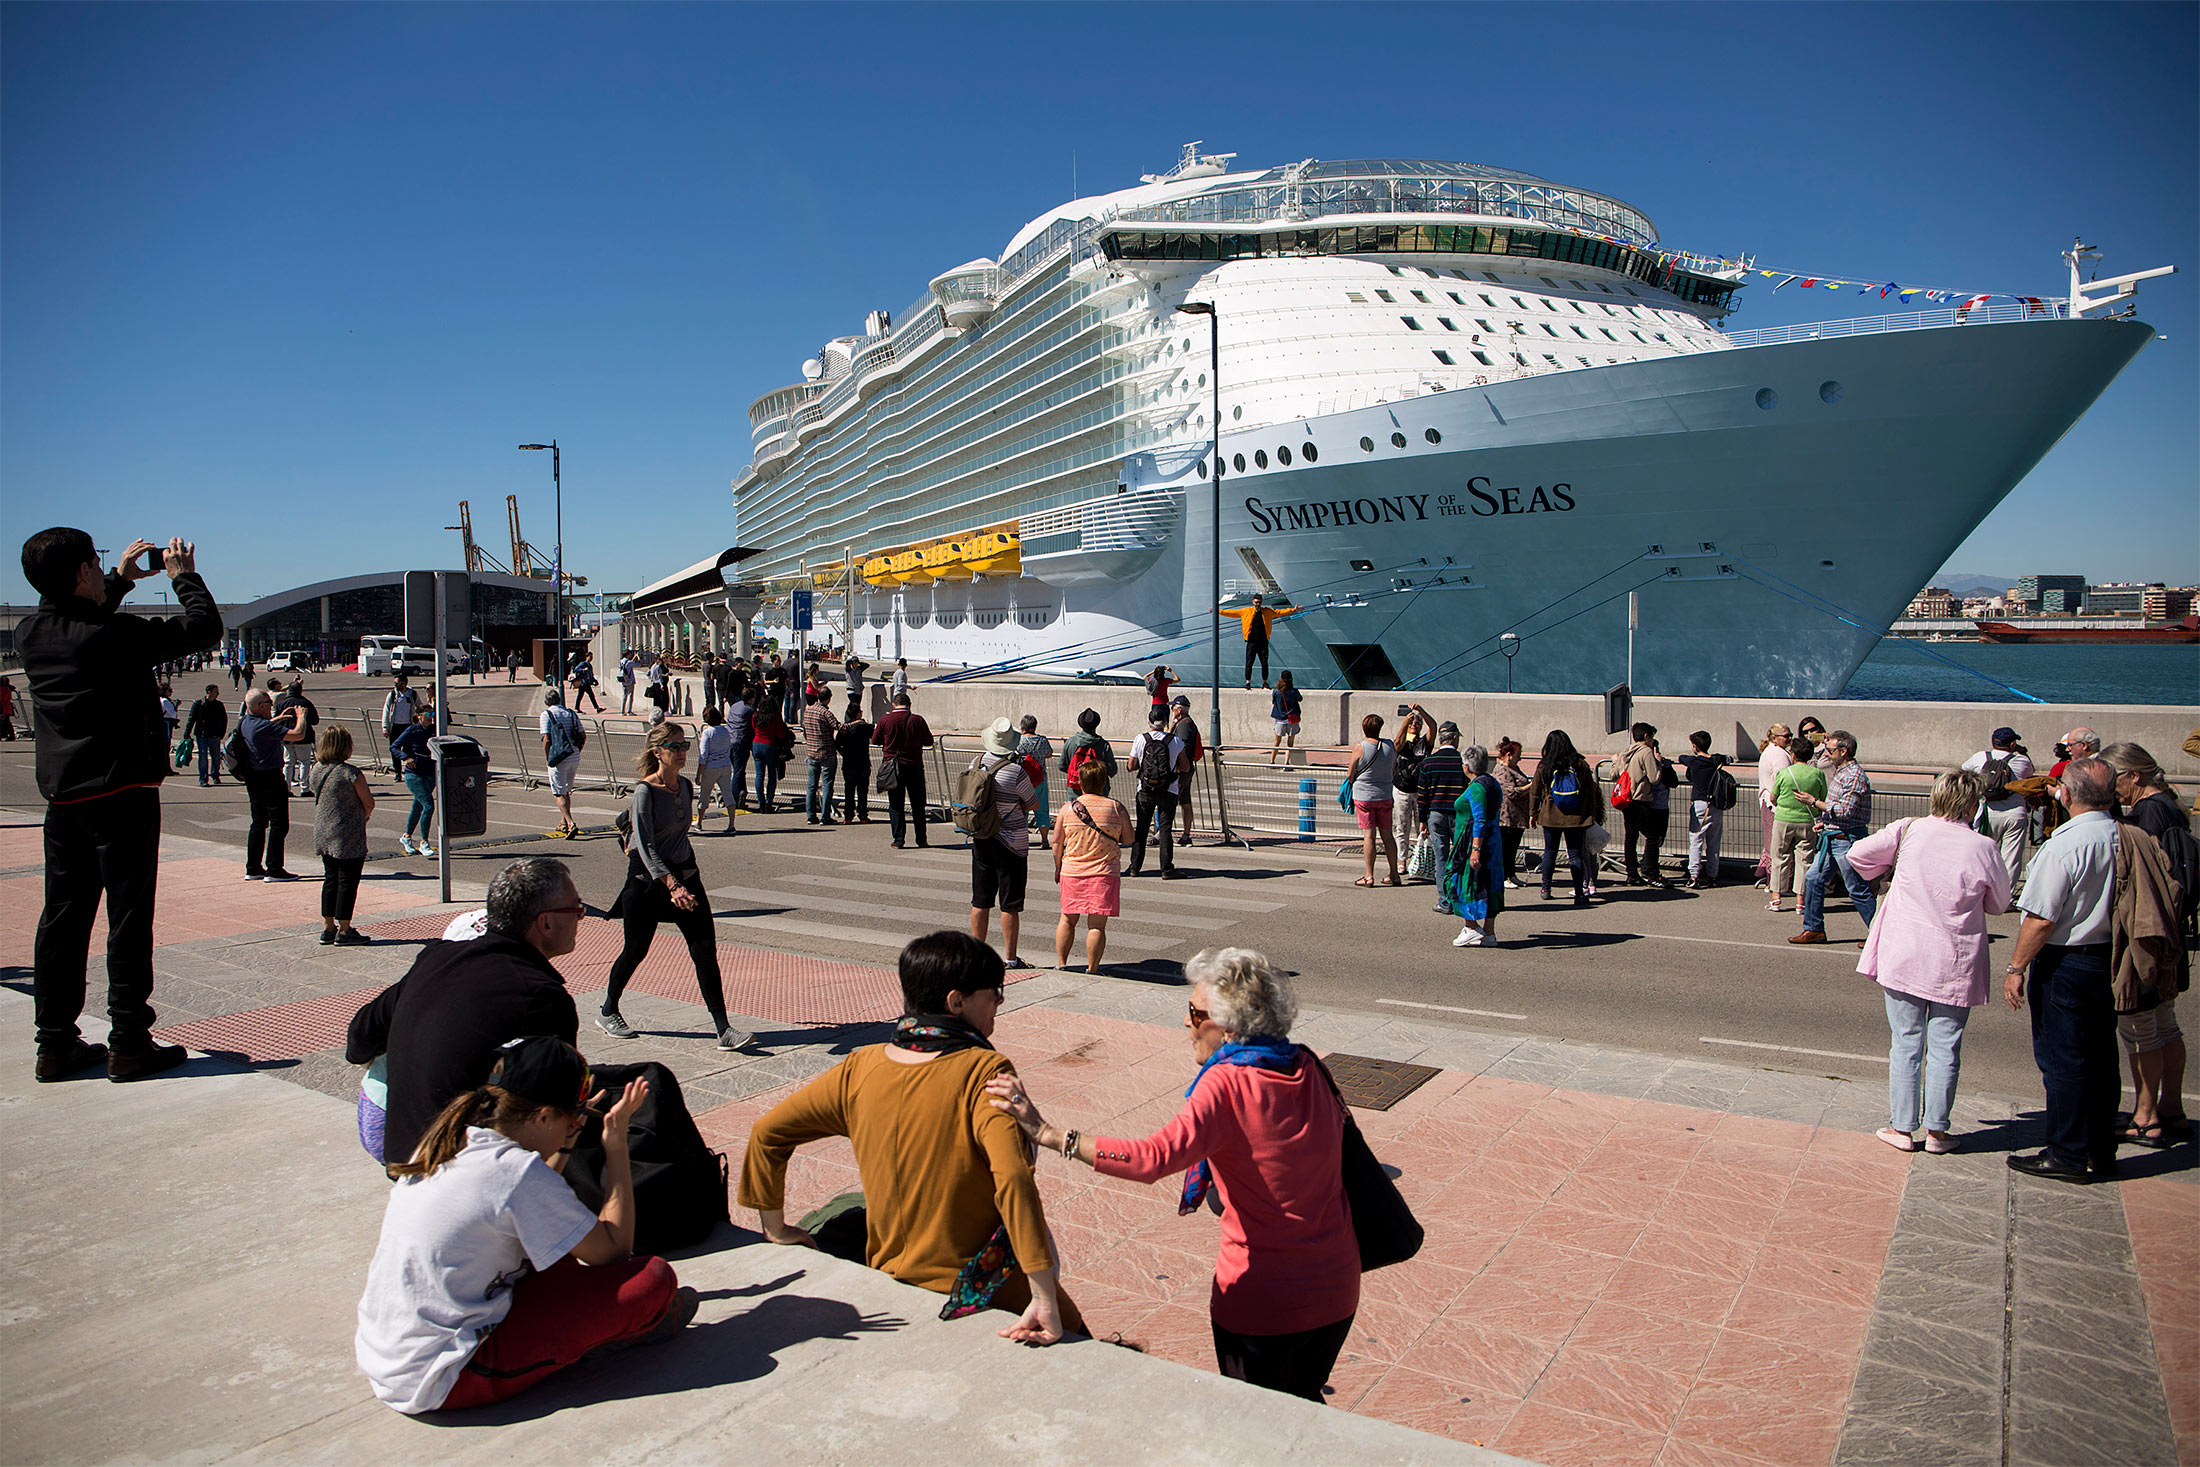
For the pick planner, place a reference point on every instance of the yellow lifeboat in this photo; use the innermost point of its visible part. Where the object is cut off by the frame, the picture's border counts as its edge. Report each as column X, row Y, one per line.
column 878, row 571
column 945, row 561
column 910, row 567
column 994, row 553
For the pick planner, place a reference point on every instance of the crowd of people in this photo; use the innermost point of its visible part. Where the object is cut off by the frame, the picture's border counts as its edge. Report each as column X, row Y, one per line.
column 491, row 1274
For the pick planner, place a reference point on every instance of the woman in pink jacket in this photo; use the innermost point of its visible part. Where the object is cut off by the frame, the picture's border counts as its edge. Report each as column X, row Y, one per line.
column 1261, row 1132
column 1928, row 950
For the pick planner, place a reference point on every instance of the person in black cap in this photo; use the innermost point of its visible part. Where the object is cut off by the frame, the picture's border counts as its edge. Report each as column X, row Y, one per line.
column 478, row 1290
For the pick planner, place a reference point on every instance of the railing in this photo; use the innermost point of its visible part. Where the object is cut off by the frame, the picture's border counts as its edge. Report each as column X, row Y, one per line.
column 2051, row 309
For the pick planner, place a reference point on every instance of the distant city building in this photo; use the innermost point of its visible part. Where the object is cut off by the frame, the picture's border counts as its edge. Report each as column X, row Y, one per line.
column 1933, row 601
column 2169, row 603
column 2118, row 598
column 2062, row 595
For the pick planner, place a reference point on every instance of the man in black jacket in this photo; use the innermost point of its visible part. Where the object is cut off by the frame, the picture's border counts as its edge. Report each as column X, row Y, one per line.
column 442, row 1023
column 102, row 753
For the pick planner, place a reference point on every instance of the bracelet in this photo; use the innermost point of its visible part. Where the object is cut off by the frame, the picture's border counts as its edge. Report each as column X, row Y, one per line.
column 1069, row 1145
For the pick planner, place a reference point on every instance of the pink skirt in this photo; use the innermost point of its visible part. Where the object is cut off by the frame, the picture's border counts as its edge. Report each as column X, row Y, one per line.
column 1092, row 896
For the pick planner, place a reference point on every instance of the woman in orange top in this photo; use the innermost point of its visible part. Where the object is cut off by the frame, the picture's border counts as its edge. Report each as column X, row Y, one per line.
column 1088, row 860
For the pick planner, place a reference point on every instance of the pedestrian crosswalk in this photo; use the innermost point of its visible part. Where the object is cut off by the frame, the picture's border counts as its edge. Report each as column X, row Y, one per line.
column 883, row 900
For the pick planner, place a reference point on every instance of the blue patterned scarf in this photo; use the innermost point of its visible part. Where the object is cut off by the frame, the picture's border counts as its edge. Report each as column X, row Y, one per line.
column 1269, row 1054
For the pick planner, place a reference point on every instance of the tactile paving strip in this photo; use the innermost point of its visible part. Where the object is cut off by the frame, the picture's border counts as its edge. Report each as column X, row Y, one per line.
column 786, row 988
column 1376, row 1084
column 285, row 1031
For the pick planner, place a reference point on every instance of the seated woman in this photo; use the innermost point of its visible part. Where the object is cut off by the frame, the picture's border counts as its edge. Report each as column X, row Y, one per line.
column 1262, row 1129
column 947, row 1179
column 477, row 1289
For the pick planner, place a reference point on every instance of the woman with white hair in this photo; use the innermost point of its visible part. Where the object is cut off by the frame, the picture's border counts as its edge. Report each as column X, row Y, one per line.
column 1262, row 1133
column 1474, row 877
column 1928, row 950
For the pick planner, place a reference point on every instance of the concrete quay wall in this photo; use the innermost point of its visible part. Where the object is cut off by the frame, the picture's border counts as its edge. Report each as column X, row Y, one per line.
column 1889, row 734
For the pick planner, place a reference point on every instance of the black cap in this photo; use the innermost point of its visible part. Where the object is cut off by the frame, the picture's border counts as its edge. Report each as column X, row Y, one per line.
column 544, row 1070
column 1157, row 714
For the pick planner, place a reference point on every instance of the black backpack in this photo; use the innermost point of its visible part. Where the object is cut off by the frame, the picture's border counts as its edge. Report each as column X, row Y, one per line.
column 679, row 1182
column 1723, row 789
column 236, row 758
column 1995, row 775
column 1156, row 765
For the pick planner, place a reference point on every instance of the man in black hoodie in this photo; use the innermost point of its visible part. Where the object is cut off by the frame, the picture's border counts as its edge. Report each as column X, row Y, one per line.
column 102, row 753
column 443, row 1022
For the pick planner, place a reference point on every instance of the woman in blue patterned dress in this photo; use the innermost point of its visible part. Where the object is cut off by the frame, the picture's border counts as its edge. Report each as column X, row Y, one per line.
column 1474, row 882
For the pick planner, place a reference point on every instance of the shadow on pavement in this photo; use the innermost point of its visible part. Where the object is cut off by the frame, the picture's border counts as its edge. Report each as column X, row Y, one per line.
column 723, row 1352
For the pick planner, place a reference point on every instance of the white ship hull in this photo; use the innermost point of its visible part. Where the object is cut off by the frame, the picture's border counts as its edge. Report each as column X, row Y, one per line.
column 1768, row 543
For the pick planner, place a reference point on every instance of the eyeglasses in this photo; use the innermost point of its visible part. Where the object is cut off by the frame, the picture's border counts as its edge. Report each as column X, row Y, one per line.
column 678, row 746
column 573, row 911
column 1198, row 1014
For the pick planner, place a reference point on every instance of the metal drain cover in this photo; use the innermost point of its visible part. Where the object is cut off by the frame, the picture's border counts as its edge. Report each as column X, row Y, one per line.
column 1376, row 1084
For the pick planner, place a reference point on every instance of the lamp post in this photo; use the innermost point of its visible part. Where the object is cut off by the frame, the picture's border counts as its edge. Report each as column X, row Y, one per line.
column 1509, row 644
column 1214, row 485
column 557, row 569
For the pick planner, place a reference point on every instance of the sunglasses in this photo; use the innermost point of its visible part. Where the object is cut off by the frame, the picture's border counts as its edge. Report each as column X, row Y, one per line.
column 1198, row 1014
column 678, row 746
column 575, row 911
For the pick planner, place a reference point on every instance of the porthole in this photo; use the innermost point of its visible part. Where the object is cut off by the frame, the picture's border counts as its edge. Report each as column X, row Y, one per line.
column 1203, row 468
column 1767, row 398
column 1203, row 379
column 1310, row 452
column 1829, row 392
column 1238, row 462
column 1260, row 458
column 1367, row 445
column 1432, row 435
column 1237, row 412
column 1397, row 440
column 1283, row 456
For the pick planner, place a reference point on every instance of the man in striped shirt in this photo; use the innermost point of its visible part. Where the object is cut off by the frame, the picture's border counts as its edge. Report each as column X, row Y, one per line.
column 1442, row 780
column 1844, row 818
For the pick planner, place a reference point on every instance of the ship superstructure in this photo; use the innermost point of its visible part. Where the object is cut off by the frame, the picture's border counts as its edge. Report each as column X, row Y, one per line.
column 1455, row 401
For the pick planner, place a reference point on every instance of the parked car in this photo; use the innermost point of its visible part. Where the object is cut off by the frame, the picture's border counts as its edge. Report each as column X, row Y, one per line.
column 293, row 662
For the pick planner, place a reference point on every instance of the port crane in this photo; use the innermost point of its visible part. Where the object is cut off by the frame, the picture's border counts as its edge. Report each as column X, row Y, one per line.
column 526, row 559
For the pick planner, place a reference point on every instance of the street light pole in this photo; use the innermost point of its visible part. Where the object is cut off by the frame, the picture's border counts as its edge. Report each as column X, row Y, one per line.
column 1214, row 485
column 557, row 569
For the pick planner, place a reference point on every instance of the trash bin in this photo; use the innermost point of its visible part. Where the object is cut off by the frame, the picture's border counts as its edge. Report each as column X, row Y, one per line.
column 463, row 767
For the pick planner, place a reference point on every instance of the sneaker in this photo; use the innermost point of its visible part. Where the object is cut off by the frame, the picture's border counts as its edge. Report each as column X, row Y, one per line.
column 405, row 844
column 426, row 849
column 151, row 1060
column 732, row 1038
column 1589, row 890
column 279, row 876
column 353, row 937
column 1469, row 937
column 1512, row 886
column 328, row 936
column 677, row 1316
column 61, row 1064
column 615, row 1026
column 1172, row 874
column 253, row 876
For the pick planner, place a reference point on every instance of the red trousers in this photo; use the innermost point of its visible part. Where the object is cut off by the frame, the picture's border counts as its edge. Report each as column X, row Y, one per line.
column 559, row 1316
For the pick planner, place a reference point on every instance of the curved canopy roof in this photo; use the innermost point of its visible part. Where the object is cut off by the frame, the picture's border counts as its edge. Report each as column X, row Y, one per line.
column 701, row 576
column 253, row 611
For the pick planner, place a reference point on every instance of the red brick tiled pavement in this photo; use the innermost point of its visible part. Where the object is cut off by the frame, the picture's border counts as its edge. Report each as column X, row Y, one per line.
column 2165, row 1243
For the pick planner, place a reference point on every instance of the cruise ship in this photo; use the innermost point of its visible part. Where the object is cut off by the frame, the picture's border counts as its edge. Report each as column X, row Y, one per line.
column 1461, row 422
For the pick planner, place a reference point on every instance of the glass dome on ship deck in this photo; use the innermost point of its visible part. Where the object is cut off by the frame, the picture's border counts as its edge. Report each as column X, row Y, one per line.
column 1403, row 186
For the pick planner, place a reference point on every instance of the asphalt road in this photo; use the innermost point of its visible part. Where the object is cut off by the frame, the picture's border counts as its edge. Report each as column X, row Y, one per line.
column 1699, row 975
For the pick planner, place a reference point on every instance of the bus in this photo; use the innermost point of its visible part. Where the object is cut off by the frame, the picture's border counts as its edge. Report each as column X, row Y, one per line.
column 378, row 655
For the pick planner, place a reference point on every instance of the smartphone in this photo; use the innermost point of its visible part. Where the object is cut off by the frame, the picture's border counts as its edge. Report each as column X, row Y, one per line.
column 151, row 561
column 1404, row 709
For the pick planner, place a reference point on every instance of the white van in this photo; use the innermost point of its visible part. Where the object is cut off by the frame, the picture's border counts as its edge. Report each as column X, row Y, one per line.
column 378, row 655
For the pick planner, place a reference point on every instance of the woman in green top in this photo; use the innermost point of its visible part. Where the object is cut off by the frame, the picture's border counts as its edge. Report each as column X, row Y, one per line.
column 1791, row 820
column 1475, row 881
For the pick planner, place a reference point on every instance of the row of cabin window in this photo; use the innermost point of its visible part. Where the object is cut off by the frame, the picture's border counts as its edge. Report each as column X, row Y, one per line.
column 1357, row 298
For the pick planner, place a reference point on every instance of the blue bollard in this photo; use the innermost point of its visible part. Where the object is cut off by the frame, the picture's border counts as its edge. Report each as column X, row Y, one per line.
column 1306, row 809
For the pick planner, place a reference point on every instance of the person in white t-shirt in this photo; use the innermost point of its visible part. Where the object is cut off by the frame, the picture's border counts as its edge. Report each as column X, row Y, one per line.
column 1773, row 758
column 562, row 741
column 491, row 1275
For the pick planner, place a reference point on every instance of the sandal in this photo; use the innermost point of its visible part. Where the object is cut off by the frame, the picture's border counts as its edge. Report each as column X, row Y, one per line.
column 1365, row 881
column 1397, row 881
column 1773, row 905
column 2154, row 1138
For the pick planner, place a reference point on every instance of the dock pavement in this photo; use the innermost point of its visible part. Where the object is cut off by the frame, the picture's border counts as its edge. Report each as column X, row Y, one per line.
column 1632, row 1258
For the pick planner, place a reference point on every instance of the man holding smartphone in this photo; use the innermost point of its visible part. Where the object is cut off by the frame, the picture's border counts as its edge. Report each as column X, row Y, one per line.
column 102, row 753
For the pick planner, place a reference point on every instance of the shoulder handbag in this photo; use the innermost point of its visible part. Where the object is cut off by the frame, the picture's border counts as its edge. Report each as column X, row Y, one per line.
column 1387, row 1230
column 888, row 775
column 1078, row 807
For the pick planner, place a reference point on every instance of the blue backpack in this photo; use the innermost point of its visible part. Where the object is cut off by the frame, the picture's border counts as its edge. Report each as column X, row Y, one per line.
column 1566, row 794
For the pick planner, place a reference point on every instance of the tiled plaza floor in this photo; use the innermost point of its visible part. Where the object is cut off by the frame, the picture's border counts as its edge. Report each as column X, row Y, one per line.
column 1630, row 1259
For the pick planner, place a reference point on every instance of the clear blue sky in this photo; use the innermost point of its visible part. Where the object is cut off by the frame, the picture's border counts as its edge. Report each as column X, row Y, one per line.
column 294, row 279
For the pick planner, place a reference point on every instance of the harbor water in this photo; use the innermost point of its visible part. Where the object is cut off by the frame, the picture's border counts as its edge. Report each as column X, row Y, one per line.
column 1901, row 669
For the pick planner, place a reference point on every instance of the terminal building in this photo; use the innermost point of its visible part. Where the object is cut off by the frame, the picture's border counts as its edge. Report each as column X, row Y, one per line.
column 327, row 618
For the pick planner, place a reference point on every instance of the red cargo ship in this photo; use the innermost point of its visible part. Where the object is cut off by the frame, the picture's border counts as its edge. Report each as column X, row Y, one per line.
column 2075, row 630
